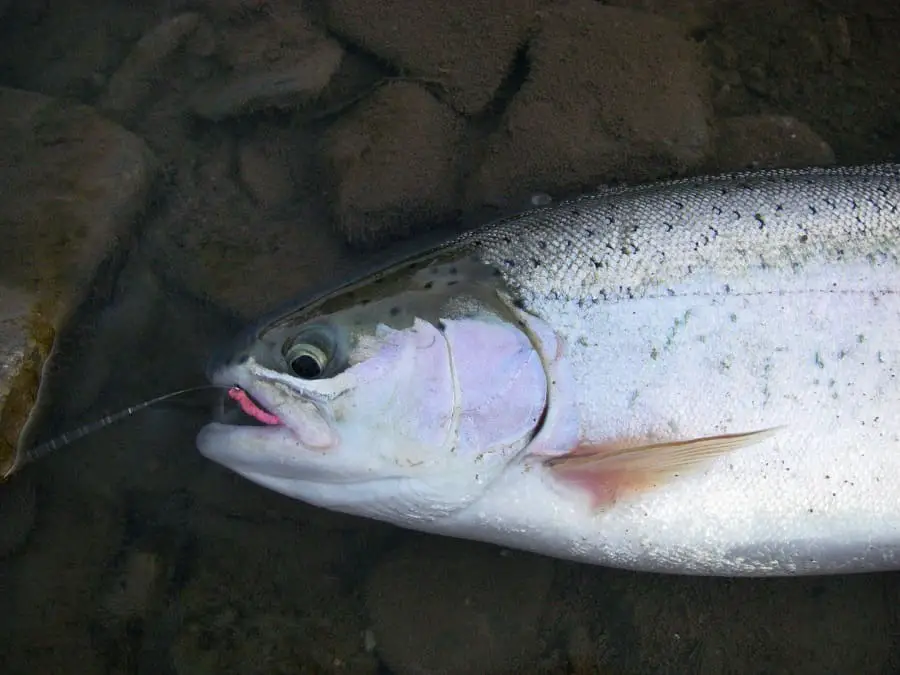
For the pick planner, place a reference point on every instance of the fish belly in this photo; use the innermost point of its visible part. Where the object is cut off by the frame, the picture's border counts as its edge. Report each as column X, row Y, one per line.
column 811, row 351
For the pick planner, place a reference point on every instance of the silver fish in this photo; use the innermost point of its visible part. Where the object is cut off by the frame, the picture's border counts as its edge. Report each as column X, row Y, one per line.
column 697, row 377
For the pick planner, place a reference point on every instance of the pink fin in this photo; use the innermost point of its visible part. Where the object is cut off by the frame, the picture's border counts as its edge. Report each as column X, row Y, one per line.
column 249, row 407
column 609, row 470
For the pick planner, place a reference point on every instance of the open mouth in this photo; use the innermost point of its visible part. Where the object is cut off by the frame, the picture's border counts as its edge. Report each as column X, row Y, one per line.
column 239, row 408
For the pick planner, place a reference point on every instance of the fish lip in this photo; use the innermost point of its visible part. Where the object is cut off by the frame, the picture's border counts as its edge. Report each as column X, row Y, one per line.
column 258, row 383
column 256, row 391
column 229, row 413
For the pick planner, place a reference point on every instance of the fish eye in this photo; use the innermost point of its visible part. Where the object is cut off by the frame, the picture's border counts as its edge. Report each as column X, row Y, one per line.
column 306, row 361
column 308, row 355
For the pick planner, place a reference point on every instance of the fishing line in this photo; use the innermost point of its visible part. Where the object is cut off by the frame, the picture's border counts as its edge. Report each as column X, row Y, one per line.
column 39, row 451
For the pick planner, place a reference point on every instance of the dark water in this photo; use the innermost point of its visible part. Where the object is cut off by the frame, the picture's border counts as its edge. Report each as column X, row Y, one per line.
column 146, row 558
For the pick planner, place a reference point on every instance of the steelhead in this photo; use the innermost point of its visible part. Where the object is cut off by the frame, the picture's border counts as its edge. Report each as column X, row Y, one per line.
column 696, row 376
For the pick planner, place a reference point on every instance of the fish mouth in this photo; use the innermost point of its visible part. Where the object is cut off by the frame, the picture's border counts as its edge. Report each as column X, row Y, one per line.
column 236, row 407
column 307, row 426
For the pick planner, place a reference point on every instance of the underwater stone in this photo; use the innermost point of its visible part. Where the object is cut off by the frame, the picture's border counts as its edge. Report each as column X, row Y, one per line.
column 144, row 66
column 72, row 184
column 466, row 47
column 26, row 338
column 393, row 161
column 611, row 93
column 24, row 344
column 444, row 607
column 769, row 141
column 277, row 62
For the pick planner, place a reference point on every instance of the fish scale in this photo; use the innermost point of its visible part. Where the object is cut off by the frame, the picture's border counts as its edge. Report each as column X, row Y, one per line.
column 629, row 241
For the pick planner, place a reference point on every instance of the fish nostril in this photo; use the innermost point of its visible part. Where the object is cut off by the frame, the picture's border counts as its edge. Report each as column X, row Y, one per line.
column 231, row 353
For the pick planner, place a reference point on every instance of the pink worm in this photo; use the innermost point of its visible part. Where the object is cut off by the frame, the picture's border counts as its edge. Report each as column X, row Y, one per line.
column 249, row 407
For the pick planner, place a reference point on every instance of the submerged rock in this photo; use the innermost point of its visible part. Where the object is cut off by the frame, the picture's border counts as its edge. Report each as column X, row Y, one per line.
column 69, row 50
column 834, row 624
column 466, row 47
column 446, row 606
column 297, row 615
column 611, row 93
column 769, row 141
column 282, row 87
column 17, row 514
column 265, row 170
column 276, row 62
column 26, row 337
column 49, row 586
column 692, row 15
column 143, row 67
column 393, row 161
column 72, row 184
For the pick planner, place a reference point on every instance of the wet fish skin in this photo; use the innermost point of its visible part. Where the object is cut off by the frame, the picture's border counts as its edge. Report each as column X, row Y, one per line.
column 687, row 309
column 630, row 241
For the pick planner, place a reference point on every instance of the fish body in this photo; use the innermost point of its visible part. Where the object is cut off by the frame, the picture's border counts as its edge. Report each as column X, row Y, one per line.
column 694, row 377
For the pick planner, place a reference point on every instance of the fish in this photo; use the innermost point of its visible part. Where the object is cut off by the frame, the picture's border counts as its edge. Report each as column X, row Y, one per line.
column 696, row 376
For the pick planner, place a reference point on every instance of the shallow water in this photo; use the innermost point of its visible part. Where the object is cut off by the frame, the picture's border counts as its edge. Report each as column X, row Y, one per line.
column 146, row 558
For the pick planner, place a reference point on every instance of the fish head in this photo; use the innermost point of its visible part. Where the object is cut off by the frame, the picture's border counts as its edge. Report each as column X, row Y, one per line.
column 402, row 405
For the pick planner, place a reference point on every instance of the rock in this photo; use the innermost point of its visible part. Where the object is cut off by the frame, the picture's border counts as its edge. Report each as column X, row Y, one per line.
column 692, row 15
column 393, row 162
column 283, row 87
column 48, row 590
column 795, row 61
column 468, row 47
column 264, row 643
column 26, row 338
column 132, row 592
column 769, row 141
column 220, row 247
column 284, row 611
column 582, row 650
column 611, row 93
column 265, row 171
column 73, row 183
column 839, row 624
column 67, row 52
column 275, row 62
column 262, row 39
column 143, row 68
column 236, row 11
column 17, row 513
column 202, row 42
column 448, row 606
column 133, row 309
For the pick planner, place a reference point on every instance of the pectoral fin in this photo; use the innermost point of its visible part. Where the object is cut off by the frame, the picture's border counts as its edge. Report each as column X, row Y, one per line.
column 607, row 470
